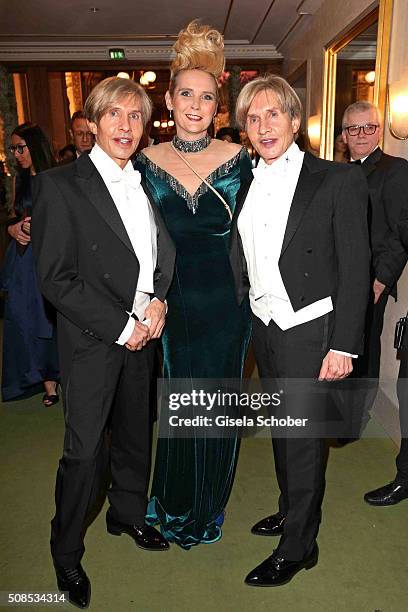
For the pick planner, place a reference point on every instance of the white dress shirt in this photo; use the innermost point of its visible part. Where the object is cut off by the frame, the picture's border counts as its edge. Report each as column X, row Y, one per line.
column 262, row 224
column 134, row 209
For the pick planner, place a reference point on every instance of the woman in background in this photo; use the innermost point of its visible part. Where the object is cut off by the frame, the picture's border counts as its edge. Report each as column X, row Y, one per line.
column 341, row 152
column 30, row 361
column 206, row 333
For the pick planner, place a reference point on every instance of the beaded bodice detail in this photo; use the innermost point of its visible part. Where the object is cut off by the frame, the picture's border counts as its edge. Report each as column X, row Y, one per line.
column 192, row 201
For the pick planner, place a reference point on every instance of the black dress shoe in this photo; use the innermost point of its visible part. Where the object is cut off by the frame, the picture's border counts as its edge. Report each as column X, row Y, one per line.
column 145, row 536
column 76, row 582
column 389, row 495
column 270, row 526
column 277, row 570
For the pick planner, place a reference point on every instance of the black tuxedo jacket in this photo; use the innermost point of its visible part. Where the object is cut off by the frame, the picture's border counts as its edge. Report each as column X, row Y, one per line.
column 387, row 178
column 325, row 251
column 86, row 265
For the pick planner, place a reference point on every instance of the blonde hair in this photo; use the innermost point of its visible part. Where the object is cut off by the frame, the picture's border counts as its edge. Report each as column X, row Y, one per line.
column 198, row 47
column 287, row 97
column 109, row 91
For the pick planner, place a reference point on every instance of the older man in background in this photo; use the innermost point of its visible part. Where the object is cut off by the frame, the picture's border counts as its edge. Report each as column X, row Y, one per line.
column 387, row 178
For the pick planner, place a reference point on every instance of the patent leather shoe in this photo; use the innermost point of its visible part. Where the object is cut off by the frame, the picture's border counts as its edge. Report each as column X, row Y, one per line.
column 145, row 536
column 270, row 526
column 276, row 570
column 74, row 581
column 389, row 495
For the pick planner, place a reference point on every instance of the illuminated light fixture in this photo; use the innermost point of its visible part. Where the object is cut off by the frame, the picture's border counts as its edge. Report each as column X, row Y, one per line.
column 313, row 131
column 164, row 124
column 170, row 123
column 147, row 78
column 117, row 54
column 370, row 77
column 123, row 75
column 150, row 76
column 397, row 94
column 156, row 124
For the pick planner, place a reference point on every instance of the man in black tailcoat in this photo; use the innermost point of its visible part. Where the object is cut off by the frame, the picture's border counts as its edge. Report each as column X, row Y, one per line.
column 105, row 261
column 299, row 246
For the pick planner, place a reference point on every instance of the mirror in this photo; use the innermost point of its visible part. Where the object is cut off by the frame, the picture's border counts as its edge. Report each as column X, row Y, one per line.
column 355, row 69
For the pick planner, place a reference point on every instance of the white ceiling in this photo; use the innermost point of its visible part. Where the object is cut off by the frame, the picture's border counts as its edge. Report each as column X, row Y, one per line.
column 34, row 28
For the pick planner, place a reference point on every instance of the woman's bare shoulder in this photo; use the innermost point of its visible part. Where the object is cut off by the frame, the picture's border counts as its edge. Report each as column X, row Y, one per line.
column 226, row 148
column 157, row 153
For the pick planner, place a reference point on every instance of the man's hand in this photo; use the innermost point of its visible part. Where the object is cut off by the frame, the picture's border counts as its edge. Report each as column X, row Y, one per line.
column 26, row 227
column 378, row 288
column 156, row 312
column 335, row 366
column 139, row 337
column 16, row 232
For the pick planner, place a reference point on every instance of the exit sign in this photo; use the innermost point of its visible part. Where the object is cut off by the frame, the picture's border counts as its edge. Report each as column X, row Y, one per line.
column 117, row 54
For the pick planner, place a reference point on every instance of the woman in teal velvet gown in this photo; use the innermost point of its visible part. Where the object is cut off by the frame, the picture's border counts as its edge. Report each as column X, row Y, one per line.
column 206, row 333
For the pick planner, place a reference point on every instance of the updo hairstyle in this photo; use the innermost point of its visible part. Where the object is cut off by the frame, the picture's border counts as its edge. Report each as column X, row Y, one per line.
column 198, row 47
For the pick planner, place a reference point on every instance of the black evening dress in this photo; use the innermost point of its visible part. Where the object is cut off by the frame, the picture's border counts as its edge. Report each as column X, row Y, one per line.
column 206, row 336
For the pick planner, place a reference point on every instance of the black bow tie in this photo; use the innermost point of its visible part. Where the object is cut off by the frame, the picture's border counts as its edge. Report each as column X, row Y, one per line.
column 356, row 161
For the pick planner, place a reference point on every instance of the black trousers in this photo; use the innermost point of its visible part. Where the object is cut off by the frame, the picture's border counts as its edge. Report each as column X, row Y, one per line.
column 356, row 395
column 300, row 462
column 101, row 383
column 402, row 392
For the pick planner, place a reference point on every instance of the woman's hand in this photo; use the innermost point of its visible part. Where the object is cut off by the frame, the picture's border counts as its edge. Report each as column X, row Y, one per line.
column 16, row 232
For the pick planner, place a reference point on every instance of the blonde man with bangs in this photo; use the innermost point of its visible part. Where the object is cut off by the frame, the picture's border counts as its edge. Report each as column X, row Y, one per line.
column 105, row 261
column 299, row 247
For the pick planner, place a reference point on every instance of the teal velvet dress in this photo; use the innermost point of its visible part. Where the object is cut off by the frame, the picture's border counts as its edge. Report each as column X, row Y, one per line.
column 206, row 336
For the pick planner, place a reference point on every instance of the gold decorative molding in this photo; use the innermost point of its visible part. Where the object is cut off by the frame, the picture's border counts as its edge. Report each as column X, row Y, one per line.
column 383, row 54
column 328, row 104
column 74, row 91
column 382, row 13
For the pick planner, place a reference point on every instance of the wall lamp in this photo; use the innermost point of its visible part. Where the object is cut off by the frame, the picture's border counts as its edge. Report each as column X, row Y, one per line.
column 314, row 132
column 397, row 107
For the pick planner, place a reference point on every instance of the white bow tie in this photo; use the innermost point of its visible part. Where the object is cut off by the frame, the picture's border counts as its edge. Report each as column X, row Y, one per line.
column 265, row 173
column 132, row 179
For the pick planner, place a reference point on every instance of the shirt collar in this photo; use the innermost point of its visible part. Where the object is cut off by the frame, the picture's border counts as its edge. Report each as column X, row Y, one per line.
column 292, row 158
column 106, row 166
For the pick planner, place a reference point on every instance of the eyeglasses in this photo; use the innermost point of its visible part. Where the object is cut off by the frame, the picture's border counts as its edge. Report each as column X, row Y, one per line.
column 19, row 148
column 354, row 130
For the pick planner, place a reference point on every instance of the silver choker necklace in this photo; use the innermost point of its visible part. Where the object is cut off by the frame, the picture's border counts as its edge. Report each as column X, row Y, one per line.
column 191, row 146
